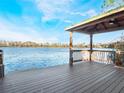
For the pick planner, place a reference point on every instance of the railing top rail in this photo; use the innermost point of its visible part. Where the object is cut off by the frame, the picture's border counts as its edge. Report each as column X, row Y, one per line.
column 120, row 52
column 105, row 50
column 94, row 50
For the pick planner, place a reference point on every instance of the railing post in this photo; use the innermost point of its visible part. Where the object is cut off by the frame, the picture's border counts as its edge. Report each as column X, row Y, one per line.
column 70, row 50
column 114, row 56
column 91, row 46
column 1, row 65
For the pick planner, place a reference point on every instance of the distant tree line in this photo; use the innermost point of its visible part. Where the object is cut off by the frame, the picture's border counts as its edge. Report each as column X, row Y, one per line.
column 118, row 45
column 4, row 43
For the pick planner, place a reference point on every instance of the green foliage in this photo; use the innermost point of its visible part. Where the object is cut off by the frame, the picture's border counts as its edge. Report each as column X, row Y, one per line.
column 111, row 4
column 108, row 2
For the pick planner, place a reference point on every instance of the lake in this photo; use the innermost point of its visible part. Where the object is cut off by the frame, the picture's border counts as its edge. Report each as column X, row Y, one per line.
column 20, row 59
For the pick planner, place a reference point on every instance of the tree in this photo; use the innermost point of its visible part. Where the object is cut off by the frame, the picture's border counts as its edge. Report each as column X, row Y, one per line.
column 119, row 45
column 108, row 2
column 111, row 4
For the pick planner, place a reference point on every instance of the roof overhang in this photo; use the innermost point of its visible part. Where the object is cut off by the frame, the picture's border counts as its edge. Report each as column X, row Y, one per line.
column 110, row 21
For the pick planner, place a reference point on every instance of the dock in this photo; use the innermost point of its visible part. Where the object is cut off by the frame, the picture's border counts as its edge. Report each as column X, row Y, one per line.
column 83, row 77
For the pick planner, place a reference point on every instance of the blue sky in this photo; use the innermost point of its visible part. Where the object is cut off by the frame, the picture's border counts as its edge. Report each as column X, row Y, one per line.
column 45, row 20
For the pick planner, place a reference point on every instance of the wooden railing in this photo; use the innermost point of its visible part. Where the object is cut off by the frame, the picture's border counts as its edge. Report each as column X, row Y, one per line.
column 101, row 56
column 80, row 55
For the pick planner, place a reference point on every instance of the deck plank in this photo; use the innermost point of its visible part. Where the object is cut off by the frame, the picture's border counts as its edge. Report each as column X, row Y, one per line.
column 81, row 78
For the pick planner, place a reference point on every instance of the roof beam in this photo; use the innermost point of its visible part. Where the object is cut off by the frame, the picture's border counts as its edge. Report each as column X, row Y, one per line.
column 101, row 23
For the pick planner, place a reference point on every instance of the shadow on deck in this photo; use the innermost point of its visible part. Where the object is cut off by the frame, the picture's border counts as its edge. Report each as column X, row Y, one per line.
column 81, row 78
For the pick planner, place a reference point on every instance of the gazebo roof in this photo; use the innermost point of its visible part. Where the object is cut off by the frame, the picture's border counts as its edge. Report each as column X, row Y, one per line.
column 107, row 22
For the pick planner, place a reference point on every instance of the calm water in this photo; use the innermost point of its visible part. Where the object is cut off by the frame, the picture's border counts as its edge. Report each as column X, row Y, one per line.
column 19, row 59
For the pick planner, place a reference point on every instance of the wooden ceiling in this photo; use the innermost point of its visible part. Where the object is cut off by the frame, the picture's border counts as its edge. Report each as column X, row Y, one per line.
column 110, row 21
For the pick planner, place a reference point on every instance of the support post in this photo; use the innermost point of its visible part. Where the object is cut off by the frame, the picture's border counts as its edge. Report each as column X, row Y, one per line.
column 91, row 47
column 70, row 50
column 1, row 65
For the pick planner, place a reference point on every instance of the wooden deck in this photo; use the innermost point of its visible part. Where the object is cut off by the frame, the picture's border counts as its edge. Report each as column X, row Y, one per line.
column 81, row 78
